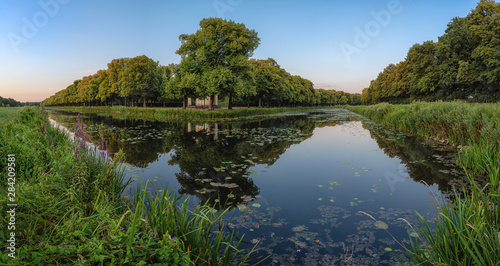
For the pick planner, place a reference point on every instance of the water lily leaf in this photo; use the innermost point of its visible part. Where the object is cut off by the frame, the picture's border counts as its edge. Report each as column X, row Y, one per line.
column 381, row 225
column 320, row 185
column 388, row 249
column 241, row 207
column 413, row 234
column 256, row 205
column 227, row 178
column 382, row 208
column 320, row 199
column 330, row 187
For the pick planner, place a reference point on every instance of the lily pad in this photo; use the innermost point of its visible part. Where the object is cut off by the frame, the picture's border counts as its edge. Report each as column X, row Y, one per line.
column 381, row 225
column 256, row 205
column 413, row 234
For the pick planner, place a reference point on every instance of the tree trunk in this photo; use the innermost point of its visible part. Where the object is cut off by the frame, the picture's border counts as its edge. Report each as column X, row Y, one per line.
column 143, row 101
column 230, row 104
column 184, row 102
column 132, row 102
column 211, row 106
column 260, row 102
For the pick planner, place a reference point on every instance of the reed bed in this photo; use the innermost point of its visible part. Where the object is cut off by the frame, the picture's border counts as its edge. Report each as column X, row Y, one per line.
column 184, row 113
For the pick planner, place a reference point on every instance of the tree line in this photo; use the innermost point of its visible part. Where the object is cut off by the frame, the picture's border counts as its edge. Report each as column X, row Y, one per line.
column 214, row 61
column 9, row 102
column 463, row 64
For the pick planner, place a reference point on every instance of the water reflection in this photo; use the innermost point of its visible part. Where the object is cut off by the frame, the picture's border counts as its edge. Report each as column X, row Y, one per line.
column 432, row 163
column 215, row 158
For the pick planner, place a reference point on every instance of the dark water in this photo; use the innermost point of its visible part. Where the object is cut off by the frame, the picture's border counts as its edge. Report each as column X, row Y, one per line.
column 309, row 186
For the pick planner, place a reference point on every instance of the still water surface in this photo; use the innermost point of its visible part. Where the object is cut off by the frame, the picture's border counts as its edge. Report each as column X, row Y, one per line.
column 303, row 184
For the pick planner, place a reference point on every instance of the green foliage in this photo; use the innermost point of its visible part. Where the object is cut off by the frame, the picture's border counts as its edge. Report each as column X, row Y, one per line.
column 200, row 230
column 467, row 230
column 9, row 102
column 219, row 53
column 464, row 64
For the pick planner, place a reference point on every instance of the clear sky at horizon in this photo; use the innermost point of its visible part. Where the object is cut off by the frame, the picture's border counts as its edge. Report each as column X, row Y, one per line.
column 47, row 44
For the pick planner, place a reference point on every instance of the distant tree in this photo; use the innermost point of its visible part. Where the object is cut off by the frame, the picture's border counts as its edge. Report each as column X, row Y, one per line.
column 142, row 78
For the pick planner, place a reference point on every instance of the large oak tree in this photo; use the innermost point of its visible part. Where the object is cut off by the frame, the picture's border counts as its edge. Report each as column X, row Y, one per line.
column 219, row 53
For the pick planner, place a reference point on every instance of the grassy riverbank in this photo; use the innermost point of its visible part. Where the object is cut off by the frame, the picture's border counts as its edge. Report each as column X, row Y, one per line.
column 70, row 208
column 162, row 113
column 7, row 113
column 467, row 229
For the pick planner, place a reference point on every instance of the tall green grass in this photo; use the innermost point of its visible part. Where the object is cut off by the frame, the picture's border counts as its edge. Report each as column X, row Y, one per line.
column 7, row 113
column 201, row 230
column 467, row 231
column 183, row 113
column 71, row 209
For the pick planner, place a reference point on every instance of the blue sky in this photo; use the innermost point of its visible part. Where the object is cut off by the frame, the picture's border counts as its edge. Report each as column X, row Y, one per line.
column 47, row 44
